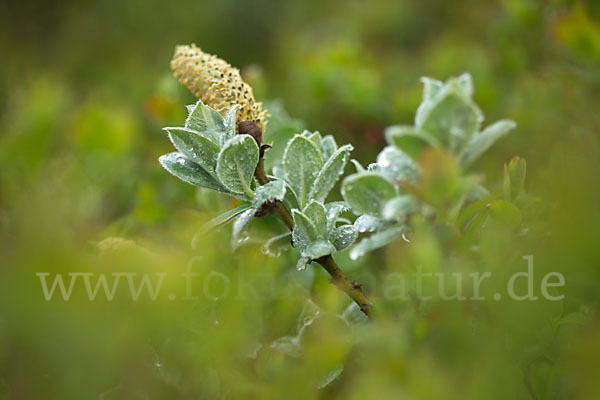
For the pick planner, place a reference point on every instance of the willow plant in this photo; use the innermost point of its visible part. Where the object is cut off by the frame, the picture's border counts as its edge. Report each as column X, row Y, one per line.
column 420, row 172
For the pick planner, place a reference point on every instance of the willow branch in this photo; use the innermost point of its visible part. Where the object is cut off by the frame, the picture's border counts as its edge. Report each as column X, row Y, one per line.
column 338, row 278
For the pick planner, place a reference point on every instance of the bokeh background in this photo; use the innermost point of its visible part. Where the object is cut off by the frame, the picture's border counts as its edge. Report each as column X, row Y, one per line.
column 85, row 89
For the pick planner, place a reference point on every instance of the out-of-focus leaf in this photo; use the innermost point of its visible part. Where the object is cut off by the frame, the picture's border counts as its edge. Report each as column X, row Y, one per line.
column 219, row 220
column 375, row 241
column 396, row 165
column 482, row 141
column 505, row 213
column 409, row 139
column 239, row 227
column 353, row 315
column 517, row 170
column 369, row 223
column 367, row 192
column 397, row 208
column 452, row 118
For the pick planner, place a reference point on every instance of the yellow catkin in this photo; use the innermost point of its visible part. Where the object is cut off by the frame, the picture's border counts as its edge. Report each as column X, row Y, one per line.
column 216, row 83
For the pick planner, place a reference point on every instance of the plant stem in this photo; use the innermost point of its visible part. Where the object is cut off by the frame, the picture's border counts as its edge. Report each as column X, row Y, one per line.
column 338, row 278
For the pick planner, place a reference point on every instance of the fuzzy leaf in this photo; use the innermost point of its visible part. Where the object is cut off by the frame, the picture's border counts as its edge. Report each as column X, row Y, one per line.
column 206, row 121
column 328, row 147
column 375, row 241
column 314, row 137
column 482, row 141
column 367, row 192
column 190, row 172
column 333, row 211
column 274, row 190
column 318, row 249
column 315, row 211
column 236, row 164
column 194, row 146
column 302, row 162
column 305, row 228
column 330, row 173
column 229, row 123
column 343, row 236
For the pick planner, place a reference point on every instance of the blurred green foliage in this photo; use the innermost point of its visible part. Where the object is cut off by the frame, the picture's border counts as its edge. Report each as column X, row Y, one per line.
column 85, row 89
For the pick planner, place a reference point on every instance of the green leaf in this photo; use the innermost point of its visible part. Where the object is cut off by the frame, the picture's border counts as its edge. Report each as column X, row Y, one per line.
column 397, row 208
column 304, row 227
column 302, row 162
column 575, row 318
column 206, row 121
column 318, row 249
column 333, row 211
column 410, row 140
column 452, row 117
column 477, row 222
column 328, row 147
column 217, row 221
column 353, row 315
column 482, row 141
column 465, row 81
column 396, row 165
column 517, row 170
column 229, row 123
column 468, row 213
column 367, row 192
column 369, row 223
column 303, row 261
column 315, row 138
column 239, row 227
column 431, row 87
column 190, row 172
column 375, row 241
column 274, row 190
column 194, row 146
column 236, row 164
column 505, row 213
column 343, row 236
column 330, row 173
column 315, row 211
